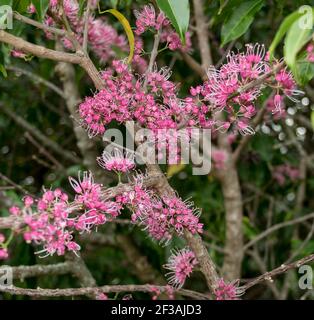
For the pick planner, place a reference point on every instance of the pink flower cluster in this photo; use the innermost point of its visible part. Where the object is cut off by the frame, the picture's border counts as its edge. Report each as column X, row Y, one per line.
column 52, row 220
column 284, row 171
column 4, row 254
column 89, row 198
column 310, row 52
column 117, row 161
column 227, row 291
column 181, row 264
column 160, row 217
column 46, row 222
column 223, row 90
column 101, row 36
column 147, row 18
column 219, row 158
column 156, row 291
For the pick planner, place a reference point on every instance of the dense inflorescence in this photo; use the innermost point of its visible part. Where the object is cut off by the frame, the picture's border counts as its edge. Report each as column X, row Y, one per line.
column 181, row 264
column 227, row 291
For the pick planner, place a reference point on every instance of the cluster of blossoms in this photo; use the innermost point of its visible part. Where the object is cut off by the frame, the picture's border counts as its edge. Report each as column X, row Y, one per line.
column 227, row 291
column 148, row 19
column 4, row 254
column 223, row 89
column 52, row 220
column 181, row 264
column 102, row 37
column 160, row 217
column 282, row 172
column 117, row 161
column 310, row 52
column 156, row 292
column 46, row 222
column 219, row 157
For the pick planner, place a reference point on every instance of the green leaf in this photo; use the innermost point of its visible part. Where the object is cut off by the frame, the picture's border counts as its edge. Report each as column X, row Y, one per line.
column 3, row 71
column 178, row 12
column 21, row 5
column 296, row 38
column 241, row 17
column 305, row 71
column 81, row 7
column 41, row 8
column 285, row 25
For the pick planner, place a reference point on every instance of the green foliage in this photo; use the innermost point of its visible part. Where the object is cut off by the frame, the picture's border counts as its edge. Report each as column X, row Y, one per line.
column 239, row 18
column 41, row 8
column 178, row 12
column 296, row 34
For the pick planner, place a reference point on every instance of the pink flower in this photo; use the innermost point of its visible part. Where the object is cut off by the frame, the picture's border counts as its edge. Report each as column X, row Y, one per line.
column 101, row 296
column 2, row 238
column 310, row 52
column 4, row 254
column 31, row 9
column 117, row 161
column 227, row 291
column 219, row 157
column 180, row 264
column 146, row 18
column 18, row 54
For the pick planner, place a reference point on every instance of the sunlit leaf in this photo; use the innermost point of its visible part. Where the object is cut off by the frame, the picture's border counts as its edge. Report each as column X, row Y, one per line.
column 178, row 12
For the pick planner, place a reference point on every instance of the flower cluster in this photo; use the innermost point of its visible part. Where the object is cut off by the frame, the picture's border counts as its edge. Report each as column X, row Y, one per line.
column 46, row 222
column 282, row 172
column 4, row 254
column 102, row 37
column 89, row 198
column 181, row 264
column 148, row 19
column 219, row 158
column 117, row 161
column 160, row 216
column 310, row 52
column 227, row 291
column 52, row 220
column 156, row 292
column 224, row 89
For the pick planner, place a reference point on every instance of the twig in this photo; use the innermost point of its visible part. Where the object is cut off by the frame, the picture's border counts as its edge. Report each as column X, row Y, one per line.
column 22, row 272
column 40, row 136
column 38, row 79
column 277, row 227
column 86, row 18
column 201, row 30
column 15, row 185
column 283, row 268
column 39, row 292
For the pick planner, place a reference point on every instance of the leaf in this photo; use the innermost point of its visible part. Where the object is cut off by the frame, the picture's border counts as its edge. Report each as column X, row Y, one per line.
column 222, row 4
column 237, row 23
column 285, row 25
column 305, row 71
column 21, row 5
column 127, row 28
column 178, row 12
column 3, row 71
column 296, row 38
column 312, row 118
column 174, row 169
column 41, row 8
